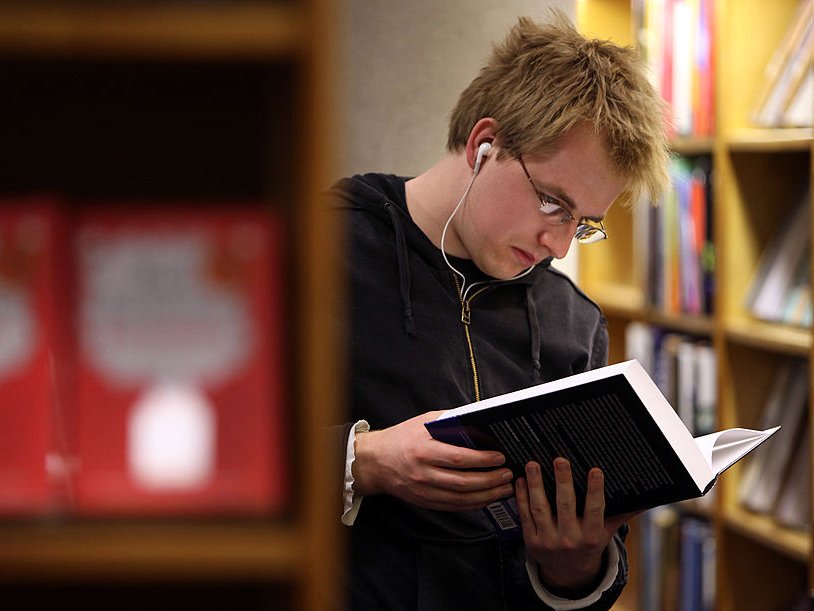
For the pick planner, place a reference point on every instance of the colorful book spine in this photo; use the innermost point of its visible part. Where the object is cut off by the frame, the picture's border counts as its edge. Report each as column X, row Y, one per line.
column 678, row 45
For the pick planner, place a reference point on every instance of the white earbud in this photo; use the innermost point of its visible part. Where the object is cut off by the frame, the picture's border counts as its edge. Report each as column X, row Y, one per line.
column 483, row 152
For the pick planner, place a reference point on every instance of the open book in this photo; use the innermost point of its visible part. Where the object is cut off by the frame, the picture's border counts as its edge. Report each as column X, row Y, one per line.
column 614, row 418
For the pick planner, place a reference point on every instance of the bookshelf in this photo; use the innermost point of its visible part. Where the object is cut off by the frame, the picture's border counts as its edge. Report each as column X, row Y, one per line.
column 760, row 564
column 258, row 76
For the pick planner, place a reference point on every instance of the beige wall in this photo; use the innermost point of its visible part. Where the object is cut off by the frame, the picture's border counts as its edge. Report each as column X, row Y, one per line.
column 404, row 62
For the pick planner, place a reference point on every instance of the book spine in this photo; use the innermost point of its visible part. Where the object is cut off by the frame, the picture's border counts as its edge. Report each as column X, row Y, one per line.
column 34, row 358
column 503, row 514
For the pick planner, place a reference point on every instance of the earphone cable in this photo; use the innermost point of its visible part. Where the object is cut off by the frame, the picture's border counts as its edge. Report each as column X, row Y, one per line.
column 464, row 288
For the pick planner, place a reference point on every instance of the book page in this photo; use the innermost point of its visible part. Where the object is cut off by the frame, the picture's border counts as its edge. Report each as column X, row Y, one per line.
column 724, row 448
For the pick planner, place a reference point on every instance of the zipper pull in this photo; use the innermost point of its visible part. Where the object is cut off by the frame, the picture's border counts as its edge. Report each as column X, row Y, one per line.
column 465, row 312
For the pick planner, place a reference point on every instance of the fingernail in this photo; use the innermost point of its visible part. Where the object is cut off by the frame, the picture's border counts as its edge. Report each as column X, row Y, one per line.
column 506, row 476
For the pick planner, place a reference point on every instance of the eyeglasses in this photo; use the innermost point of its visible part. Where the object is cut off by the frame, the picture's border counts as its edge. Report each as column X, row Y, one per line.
column 553, row 211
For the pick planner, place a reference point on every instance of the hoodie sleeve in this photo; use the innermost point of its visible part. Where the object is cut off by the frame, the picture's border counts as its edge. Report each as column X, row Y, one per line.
column 601, row 597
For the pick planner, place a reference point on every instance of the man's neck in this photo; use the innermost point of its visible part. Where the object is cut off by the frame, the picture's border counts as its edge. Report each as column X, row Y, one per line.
column 431, row 198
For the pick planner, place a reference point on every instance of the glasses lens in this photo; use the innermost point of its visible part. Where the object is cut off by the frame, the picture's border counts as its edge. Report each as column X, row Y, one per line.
column 588, row 234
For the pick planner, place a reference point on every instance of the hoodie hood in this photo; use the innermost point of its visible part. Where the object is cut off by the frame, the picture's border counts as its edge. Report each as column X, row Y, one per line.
column 383, row 196
column 374, row 193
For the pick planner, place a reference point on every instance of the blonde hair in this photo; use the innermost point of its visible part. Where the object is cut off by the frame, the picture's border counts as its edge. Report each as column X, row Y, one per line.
column 545, row 78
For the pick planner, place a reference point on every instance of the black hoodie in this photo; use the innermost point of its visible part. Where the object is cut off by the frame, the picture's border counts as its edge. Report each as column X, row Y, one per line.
column 415, row 347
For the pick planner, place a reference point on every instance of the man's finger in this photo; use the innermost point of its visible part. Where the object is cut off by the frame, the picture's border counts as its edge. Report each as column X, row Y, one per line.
column 593, row 518
column 567, row 522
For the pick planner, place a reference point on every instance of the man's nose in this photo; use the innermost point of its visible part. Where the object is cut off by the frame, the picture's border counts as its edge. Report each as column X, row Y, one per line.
column 557, row 239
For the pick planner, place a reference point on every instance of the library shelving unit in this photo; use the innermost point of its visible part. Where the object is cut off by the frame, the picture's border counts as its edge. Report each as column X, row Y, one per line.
column 187, row 101
column 760, row 564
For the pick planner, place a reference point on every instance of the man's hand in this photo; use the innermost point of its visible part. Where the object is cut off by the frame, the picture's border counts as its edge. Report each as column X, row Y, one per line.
column 568, row 550
column 406, row 462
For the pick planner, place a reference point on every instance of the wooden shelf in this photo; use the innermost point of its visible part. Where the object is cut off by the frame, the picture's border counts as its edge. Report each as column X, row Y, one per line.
column 685, row 323
column 197, row 30
column 770, row 140
column 150, row 550
column 795, row 544
column 619, row 299
column 769, row 336
column 692, row 146
column 624, row 301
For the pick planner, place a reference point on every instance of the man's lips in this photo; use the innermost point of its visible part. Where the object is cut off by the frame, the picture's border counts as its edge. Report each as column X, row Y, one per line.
column 525, row 257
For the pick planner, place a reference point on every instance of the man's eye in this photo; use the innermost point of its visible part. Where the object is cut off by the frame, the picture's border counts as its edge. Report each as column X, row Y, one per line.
column 549, row 207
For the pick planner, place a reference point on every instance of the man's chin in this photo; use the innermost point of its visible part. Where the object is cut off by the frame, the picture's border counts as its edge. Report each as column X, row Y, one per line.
column 511, row 274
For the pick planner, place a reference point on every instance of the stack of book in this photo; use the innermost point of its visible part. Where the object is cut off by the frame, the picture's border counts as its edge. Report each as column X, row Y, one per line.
column 778, row 482
column 679, row 234
column 678, row 560
column 787, row 97
column 676, row 38
column 780, row 290
column 683, row 367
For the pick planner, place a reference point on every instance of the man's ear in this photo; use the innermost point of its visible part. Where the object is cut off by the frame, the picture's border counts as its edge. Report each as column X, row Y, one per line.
column 483, row 153
column 483, row 133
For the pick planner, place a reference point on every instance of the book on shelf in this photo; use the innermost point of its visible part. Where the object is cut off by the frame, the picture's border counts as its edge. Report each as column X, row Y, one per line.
column 614, row 418
column 696, row 385
column 703, row 100
column 34, row 356
column 683, row 40
column 779, row 290
column 799, row 112
column 677, row 562
column 690, row 237
column 793, row 507
column 797, row 307
column 665, row 370
column 676, row 39
column 697, row 565
column 706, row 388
column 659, row 541
column 640, row 344
column 786, row 404
column 683, row 367
column 785, row 99
column 680, row 245
column 180, row 375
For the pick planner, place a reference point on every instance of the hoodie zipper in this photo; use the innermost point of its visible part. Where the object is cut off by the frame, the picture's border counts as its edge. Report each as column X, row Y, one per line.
column 466, row 318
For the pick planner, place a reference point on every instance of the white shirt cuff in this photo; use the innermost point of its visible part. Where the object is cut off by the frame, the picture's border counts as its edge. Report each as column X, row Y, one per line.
column 352, row 502
column 565, row 604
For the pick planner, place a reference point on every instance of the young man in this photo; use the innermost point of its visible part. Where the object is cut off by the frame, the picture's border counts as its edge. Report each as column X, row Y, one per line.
column 452, row 299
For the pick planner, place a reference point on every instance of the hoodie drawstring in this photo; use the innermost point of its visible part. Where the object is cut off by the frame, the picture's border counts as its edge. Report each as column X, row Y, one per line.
column 534, row 328
column 404, row 270
column 406, row 299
